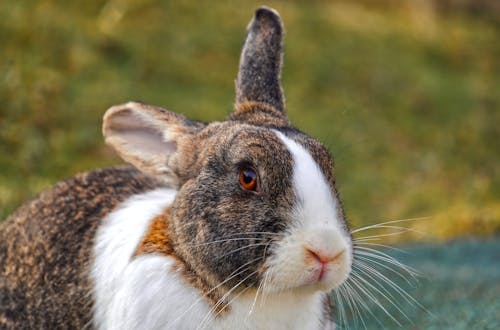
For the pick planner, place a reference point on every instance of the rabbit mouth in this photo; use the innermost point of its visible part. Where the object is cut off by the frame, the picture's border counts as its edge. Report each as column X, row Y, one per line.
column 315, row 260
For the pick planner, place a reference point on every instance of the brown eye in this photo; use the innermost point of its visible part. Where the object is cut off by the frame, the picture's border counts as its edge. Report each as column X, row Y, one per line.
column 248, row 179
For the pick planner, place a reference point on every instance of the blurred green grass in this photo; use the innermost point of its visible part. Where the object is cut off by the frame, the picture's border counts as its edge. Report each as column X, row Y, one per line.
column 405, row 94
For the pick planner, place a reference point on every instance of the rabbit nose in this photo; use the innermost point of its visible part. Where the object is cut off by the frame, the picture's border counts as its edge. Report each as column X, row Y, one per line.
column 324, row 244
column 323, row 256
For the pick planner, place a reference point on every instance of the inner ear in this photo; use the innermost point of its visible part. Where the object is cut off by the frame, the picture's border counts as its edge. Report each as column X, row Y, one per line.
column 148, row 138
column 141, row 134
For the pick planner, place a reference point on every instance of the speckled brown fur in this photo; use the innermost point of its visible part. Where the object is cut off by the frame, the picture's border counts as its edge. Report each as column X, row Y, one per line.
column 260, row 63
column 259, row 114
column 45, row 249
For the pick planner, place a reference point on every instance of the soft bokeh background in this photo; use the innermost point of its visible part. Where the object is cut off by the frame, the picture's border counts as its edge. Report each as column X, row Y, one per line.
column 406, row 94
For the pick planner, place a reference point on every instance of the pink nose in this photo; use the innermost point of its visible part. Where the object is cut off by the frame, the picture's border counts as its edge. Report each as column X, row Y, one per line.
column 323, row 257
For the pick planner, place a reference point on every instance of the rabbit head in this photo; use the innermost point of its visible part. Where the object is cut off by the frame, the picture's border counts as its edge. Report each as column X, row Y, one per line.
column 256, row 202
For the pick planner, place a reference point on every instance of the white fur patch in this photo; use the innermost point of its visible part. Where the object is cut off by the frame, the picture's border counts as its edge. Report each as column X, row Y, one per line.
column 316, row 205
column 145, row 292
column 315, row 227
column 116, row 241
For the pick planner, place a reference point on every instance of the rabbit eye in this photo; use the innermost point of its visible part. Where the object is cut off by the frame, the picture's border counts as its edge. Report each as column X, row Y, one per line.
column 248, row 179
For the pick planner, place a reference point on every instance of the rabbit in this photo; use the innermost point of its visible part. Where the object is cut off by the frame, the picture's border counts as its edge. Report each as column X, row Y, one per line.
column 223, row 225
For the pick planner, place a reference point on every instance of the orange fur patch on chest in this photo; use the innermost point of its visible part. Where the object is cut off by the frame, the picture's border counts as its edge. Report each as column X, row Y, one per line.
column 157, row 238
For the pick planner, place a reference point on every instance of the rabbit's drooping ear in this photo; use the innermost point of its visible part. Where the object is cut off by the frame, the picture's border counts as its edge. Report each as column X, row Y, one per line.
column 259, row 96
column 149, row 137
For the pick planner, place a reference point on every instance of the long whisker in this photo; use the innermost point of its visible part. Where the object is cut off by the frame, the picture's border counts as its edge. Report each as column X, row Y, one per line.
column 391, row 222
column 264, row 288
column 250, row 311
column 372, row 253
column 397, row 288
column 352, row 304
column 341, row 295
column 229, row 240
column 381, row 245
column 339, row 306
column 260, row 284
column 386, row 227
column 359, row 299
column 382, row 290
column 407, row 269
column 253, row 233
column 365, row 238
column 380, row 264
column 355, row 298
column 368, row 284
column 368, row 294
column 241, row 248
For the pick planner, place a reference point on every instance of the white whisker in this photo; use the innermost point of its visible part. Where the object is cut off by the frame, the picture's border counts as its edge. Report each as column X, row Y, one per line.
column 339, row 306
column 386, row 227
column 341, row 296
column 241, row 248
column 374, row 299
column 229, row 240
column 392, row 284
column 260, row 284
column 365, row 238
column 354, row 307
column 264, row 286
column 381, row 289
column 254, row 233
column 372, row 253
column 391, row 222
column 388, row 268
column 356, row 297
column 382, row 245
column 371, row 297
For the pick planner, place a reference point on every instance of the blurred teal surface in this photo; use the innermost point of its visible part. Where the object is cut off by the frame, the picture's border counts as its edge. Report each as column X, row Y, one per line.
column 458, row 288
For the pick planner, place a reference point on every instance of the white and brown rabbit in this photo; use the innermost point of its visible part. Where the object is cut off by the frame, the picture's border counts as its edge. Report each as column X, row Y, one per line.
column 227, row 225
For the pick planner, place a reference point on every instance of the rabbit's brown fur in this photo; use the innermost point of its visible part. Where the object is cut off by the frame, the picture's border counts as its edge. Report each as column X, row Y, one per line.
column 45, row 249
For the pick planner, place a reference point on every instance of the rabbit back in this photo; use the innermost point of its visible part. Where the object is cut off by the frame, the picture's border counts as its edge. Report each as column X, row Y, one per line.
column 46, row 249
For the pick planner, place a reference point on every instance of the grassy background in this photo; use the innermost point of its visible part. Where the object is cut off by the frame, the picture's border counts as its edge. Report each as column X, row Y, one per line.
column 406, row 94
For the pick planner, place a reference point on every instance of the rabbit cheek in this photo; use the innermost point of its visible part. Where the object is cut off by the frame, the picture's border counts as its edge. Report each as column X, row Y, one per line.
column 200, row 237
column 221, row 236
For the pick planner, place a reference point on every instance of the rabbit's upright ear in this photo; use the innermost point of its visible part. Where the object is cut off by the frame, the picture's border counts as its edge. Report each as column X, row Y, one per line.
column 259, row 96
column 149, row 137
